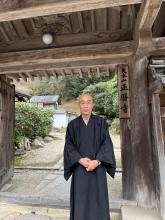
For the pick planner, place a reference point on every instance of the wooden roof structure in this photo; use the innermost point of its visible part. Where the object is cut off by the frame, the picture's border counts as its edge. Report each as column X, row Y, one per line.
column 90, row 36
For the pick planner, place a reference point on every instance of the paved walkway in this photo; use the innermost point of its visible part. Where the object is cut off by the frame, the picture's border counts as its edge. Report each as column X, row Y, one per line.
column 9, row 211
column 51, row 184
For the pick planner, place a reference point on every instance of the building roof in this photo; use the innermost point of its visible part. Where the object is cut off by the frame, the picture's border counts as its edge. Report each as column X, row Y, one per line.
column 44, row 99
column 21, row 94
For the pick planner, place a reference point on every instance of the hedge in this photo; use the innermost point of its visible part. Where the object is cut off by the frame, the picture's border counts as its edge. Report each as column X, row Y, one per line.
column 32, row 121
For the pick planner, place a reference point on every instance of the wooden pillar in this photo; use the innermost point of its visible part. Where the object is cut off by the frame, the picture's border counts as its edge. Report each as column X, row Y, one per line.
column 159, row 156
column 137, row 160
column 7, row 106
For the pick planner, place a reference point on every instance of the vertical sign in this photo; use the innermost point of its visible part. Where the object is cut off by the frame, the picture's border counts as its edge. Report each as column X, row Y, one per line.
column 123, row 89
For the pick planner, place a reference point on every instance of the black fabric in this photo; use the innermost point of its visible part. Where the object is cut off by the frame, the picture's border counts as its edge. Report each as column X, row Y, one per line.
column 88, row 192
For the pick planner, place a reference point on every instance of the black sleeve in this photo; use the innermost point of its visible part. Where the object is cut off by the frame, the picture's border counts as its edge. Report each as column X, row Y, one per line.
column 106, row 153
column 70, row 153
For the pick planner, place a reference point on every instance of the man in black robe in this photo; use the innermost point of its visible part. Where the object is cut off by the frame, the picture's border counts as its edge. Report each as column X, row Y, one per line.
column 88, row 155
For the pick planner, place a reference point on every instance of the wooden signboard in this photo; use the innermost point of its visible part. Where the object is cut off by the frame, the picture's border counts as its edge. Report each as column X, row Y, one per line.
column 123, row 91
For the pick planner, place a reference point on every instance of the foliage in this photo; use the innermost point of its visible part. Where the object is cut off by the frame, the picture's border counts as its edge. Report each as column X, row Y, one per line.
column 115, row 126
column 18, row 140
column 68, row 87
column 32, row 121
column 105, row 96
column 73, row 86
column 46, row 87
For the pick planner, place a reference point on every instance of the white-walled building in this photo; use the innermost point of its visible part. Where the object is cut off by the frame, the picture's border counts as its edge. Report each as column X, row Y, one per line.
column 62, row 117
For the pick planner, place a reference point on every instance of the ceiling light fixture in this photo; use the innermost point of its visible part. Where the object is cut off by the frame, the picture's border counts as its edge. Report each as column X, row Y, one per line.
column 47, row 38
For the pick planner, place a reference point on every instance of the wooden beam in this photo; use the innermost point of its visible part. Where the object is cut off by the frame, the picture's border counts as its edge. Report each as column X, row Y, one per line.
column 21, row 9
column 143, row 28
column 63, row 40
column 66, row 57
column 147, row 14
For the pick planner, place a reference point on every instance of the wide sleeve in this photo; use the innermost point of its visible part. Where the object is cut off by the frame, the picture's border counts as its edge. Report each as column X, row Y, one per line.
column 70, row 153
column 106, row 153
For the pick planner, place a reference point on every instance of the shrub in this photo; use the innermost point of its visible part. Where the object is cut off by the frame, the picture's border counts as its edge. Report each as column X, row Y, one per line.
column 115, row 126
column 32, row 121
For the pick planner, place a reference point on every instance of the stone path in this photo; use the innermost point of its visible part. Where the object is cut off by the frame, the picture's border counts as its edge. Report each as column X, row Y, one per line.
column 9, row 211
column 53, row 185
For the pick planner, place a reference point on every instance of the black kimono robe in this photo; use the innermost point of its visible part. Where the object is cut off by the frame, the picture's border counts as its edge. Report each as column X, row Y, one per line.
column 89, row 191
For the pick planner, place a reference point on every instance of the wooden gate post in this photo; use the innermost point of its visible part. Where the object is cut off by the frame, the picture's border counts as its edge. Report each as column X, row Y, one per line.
column 137, row 160
column 7, row 115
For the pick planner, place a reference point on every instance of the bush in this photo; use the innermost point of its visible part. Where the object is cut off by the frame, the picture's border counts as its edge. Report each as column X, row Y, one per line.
column 115, row 126
column 32, row 121
column 105, row 96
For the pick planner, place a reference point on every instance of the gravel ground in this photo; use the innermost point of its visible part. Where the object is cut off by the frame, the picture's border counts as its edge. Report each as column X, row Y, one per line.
column 46, row 156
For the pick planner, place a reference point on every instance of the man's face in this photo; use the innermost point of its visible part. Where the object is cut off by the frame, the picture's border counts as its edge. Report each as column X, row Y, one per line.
column 86, row 104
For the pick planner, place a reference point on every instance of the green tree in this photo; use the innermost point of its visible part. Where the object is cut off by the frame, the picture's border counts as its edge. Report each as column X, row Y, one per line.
column 105, row 96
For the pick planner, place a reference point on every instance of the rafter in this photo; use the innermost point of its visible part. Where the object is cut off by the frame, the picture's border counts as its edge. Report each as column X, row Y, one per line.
column 30, row 76
column 23, row 76
column 98, row 71
column 80, row 73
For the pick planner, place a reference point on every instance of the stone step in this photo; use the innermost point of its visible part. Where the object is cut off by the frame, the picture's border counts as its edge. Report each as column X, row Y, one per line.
column 11, row 211
column 56, row 202
column 138, row 213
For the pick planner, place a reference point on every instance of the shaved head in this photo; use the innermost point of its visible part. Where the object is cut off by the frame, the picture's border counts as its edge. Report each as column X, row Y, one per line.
column 85, row 96
column 86, row 104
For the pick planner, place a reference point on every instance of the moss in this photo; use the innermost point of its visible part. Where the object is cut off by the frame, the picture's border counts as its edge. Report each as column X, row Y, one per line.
column 18, row 160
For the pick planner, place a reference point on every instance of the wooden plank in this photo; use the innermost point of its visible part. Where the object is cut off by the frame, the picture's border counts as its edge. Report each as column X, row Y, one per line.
column 30, row 60
column 20, row 29
column 3, row 35
column 114, row 18
column 159, row 150
column 80, row 20
column 93, row 20
column 33, row 8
